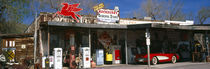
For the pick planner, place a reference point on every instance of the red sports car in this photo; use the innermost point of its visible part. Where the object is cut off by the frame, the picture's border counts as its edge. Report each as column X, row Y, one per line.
column 157, row 57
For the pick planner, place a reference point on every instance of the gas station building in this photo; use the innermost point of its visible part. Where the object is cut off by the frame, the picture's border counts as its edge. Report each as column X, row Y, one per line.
column 112, row 43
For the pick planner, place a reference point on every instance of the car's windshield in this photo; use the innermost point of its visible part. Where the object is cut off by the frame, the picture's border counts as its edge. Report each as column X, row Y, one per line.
column 156, row 47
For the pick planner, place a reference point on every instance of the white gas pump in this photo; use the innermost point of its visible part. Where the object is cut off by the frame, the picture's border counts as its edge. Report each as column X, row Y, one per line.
column 51, row 61
column 43, row 62
column 58, row 58
column 99, row 57
column 86, row 57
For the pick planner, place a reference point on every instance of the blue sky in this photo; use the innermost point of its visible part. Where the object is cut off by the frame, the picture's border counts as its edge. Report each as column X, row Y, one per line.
column 127, row 6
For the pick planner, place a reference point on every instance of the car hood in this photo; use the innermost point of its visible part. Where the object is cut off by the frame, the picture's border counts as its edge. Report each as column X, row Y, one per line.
column 141, row 55
column 145, row 55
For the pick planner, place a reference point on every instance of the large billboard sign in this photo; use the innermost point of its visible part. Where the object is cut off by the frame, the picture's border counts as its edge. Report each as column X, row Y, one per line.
column 107, row 15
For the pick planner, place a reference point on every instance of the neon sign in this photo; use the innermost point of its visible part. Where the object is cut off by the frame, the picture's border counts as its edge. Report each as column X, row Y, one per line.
column 69, row 10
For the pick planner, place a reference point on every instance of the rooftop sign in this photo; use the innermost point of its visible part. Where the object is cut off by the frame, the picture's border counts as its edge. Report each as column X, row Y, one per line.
column 107, row 15
column 70, row 10
column 97, row 7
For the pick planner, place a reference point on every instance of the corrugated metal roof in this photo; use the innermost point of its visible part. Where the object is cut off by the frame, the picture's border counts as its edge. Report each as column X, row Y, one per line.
column 16, row 35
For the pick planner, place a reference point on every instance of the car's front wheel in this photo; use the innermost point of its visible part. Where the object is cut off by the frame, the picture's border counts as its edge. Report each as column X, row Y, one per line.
column 154, row 60
column 173, row 59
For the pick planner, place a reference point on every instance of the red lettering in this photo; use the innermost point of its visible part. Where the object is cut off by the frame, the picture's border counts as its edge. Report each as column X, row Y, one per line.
column 107, row 12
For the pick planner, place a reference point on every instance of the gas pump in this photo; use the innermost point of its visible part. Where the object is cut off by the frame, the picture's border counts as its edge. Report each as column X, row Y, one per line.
column 51, row 61
column 100, row 57
column 72, row 58
column 116, row 54
column 47, row 63
column 86, row 57
column 58, row 58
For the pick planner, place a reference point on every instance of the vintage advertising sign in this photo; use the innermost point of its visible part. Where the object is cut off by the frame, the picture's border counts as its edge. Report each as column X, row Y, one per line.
column 70, row 10
column 11, row 55
column 97, row 7
column 107, row 15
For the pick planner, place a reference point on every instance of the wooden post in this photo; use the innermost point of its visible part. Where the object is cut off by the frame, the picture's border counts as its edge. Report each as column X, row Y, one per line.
column 48, row 41
column 126, row 45
column 207, row 42
column 89, row 39
column 35, row 38
column 40, row 42
column 39, row 65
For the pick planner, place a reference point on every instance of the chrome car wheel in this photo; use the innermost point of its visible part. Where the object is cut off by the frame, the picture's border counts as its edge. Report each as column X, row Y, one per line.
column 173, row 59
column 154, row 60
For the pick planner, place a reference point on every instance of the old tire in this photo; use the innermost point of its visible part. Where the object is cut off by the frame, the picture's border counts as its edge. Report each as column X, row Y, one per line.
column 173, row 59
column 154, row 61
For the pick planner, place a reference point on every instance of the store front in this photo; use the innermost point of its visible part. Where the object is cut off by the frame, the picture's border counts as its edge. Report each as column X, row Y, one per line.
column 112, row 43
column 115, row 43
column 104, row 44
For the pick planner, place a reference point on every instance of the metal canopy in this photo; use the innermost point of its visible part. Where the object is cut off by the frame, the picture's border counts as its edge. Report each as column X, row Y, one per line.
column 83, row 25
column 133, row 26
column 182, row 27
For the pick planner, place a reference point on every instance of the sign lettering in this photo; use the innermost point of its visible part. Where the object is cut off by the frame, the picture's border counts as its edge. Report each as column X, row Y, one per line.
column 106, row 15
column 97, row 7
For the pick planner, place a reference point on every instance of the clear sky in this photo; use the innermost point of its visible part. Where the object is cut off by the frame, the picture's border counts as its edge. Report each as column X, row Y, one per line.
column 127, row 6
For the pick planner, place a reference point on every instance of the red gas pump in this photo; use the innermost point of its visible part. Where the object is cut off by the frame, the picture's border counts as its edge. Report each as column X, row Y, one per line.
column 72, row 51
column 117, row 56
column 72, row 58
column 116, row 53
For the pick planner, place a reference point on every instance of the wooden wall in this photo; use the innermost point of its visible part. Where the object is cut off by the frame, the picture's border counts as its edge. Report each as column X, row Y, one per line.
column 24, row 47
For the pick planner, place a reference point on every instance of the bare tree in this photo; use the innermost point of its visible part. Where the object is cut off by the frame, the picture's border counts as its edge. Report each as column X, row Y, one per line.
column 133, row 14
column 174, row 11
column 163, row 10
column 152, row 8
column 190, row 16
column 55, row 5
column 203, row 14
column 199, row 38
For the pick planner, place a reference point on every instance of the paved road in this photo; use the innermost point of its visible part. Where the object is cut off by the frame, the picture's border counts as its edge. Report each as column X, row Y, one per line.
column 179, row 65
column 183, row 65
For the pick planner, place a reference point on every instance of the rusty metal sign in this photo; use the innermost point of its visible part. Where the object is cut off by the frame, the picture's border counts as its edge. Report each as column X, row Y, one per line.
column 97, row 7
